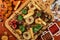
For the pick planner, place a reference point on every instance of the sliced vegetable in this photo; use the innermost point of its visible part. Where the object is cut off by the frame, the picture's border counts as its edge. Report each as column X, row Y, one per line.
column 13, row 23
column 30, row 13
column 18, row 31
column 20, row 17
column 22, row 28
column 37, row 28
column 14, row 26
column 26, row 35
column 38, row 14
column 29, row 20
column 24, row 11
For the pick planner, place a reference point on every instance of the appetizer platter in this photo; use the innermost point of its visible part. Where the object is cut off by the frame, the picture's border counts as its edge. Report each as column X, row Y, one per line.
column 31, row 19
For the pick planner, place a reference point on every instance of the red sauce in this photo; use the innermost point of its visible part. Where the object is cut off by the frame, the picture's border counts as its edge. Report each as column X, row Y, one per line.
column 54, row 29
column 57, row 37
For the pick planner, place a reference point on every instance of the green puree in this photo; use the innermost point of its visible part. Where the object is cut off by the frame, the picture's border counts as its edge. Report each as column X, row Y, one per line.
column 22, row 28
column 20, row 17
column 38, row 14
column 37, row 28
column 24, row 11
